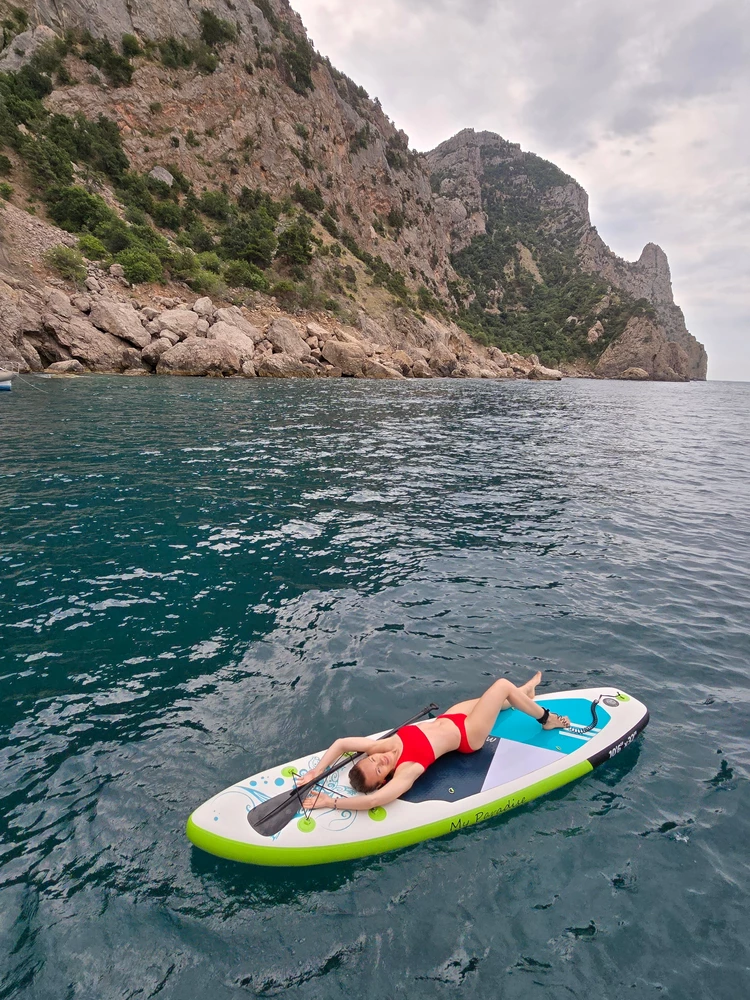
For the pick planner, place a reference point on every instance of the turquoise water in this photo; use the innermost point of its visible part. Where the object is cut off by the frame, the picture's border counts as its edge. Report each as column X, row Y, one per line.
column 200, row 578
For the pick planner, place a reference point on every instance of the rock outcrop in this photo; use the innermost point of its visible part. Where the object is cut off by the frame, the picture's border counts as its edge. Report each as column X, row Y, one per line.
column 644, row 347
column 393, row 218
column 479, row 169
column 195, row 356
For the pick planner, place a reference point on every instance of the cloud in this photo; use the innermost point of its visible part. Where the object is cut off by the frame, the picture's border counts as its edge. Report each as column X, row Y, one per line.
column 645, row 104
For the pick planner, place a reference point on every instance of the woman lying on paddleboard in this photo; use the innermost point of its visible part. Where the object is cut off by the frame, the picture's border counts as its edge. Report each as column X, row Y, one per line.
column 394, row 764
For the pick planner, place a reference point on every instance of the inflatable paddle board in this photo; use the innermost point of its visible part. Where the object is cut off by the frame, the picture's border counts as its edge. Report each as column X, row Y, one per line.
column 518, row 762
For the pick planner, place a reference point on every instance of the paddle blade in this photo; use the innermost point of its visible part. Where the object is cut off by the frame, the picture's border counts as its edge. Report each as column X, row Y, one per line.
column 270, row 818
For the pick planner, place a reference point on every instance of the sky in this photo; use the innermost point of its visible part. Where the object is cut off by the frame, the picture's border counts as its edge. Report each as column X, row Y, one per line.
column 646, row 104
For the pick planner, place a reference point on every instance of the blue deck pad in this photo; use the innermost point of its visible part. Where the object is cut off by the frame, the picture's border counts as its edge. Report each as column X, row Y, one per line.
column 514, row 725
column 516, row 746
column 454, row 776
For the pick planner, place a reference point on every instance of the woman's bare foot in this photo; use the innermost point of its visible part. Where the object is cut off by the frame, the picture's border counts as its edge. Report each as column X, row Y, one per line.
column 529, row 688
column 556, row 722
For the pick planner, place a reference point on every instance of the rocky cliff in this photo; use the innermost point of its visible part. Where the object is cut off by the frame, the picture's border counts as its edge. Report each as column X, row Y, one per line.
column 512, row 198
column 247, row 169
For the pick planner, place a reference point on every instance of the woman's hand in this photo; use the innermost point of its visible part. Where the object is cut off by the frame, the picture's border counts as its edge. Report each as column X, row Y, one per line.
column 313, row 773
column 321, row 801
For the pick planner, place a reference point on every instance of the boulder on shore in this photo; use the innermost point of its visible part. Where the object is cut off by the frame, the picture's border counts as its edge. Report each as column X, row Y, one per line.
column 442, row 360
column 233, row 316
column 286, row 338
column 196, row 356
column 284, row 366
column 183, row 322
column 420, row 369
column 350, row 358
column 235, row 338
column 151, row 354
column 541, row 374
column 374, row 369
column 101, row 352
column 71, row 367
column 121, row 320
column 635, row 375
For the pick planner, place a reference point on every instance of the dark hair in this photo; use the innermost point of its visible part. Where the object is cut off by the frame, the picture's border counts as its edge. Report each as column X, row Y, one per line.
column 358, row 781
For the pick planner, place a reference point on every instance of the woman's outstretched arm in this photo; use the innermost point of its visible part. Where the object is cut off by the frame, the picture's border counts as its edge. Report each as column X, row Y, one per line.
column 350, row 744
column 361, row 803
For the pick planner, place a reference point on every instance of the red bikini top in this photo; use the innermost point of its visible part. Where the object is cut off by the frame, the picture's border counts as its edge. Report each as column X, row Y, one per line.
column 417, row 748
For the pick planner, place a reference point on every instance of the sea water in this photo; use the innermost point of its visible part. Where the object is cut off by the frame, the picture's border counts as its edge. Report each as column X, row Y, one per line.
column 202, row 578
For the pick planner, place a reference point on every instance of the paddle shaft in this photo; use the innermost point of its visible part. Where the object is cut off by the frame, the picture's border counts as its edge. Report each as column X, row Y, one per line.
column 295, row 794
column 337, row 767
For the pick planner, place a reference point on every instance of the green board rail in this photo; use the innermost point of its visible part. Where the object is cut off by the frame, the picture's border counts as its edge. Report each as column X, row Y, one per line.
column 270, row 856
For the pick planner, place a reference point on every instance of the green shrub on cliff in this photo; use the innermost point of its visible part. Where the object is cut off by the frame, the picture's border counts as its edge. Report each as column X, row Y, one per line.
column 117, row 68
column 210, row 261
column 215, row 31
column 74, row 209
column 140, row 265
column 131, row 47
column 167, row 214
column 240, row 274
column 92, row 248
column 175, row 54
column 297, row 59
column 309, row 198
column 251, row 238
column 68, row 263
column 295, row 244
column 207, row 283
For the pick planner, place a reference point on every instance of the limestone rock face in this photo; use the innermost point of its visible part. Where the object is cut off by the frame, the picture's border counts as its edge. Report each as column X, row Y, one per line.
column 635, row 375
column 284, row 366
column 374, row 369
column 235, row 338
column 97, row 350
column 151, row 354
column 539, row 373
column 71, row 367
column 233, row 316
column 121, row 320
column 152, row 20
column 442, row 360
column 24, row 46
column 350, row 358
column 644, row 345
column 196, row 356
column 473, row 163
column 595, row 333
column 286, row 338
column 183, row 322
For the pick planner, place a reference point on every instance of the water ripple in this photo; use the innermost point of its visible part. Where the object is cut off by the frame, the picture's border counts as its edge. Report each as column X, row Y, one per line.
column 199, row 577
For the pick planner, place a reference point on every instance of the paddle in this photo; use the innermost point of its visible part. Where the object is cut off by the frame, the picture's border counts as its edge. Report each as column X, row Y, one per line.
column 271, row 816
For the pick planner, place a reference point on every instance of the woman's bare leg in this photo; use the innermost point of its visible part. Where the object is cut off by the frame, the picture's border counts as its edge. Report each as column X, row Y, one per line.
column 481, row 718
column 466, row 707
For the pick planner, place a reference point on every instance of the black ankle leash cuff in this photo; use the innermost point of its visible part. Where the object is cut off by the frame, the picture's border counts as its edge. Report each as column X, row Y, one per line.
column 543, row 719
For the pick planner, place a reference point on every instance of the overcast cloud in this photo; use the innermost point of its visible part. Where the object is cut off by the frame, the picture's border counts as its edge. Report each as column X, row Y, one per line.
column 646, row 104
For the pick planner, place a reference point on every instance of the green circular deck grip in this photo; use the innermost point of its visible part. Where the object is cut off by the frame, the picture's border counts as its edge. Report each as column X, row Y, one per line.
column 289, row 772
column 306, row 824
column 378, row 814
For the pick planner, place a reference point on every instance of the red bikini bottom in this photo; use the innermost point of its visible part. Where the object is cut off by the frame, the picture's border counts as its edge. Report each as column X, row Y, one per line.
column 459, row 721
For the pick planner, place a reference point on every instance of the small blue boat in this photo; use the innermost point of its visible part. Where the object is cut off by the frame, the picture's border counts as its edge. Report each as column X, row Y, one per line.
column 6, row 378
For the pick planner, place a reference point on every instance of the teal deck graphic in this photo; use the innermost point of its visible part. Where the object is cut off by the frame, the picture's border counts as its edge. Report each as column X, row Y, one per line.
column 516, row 746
